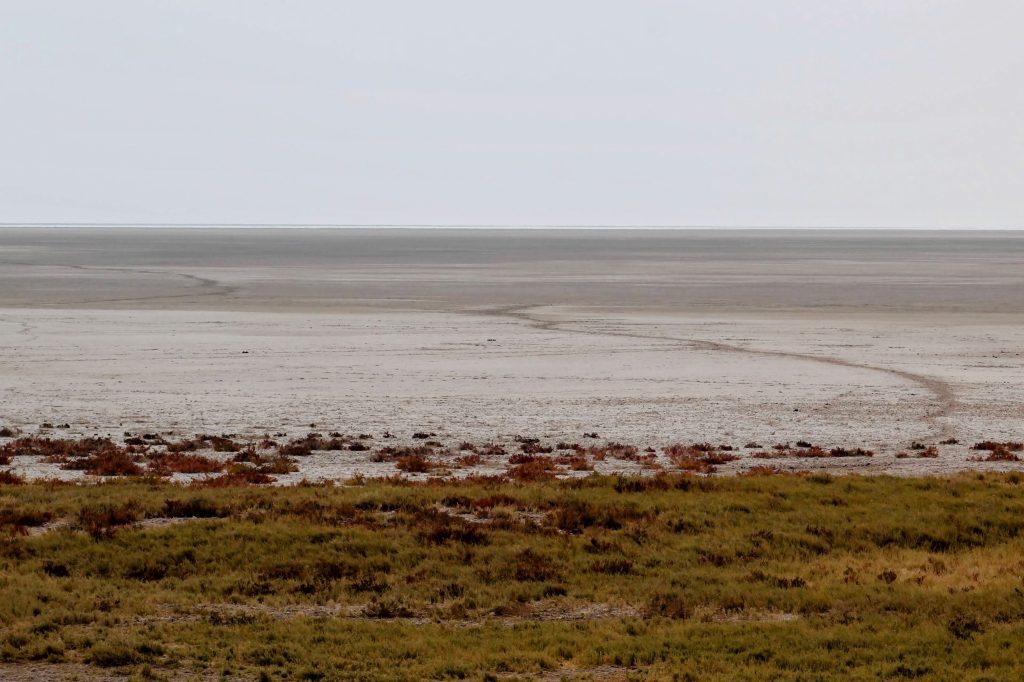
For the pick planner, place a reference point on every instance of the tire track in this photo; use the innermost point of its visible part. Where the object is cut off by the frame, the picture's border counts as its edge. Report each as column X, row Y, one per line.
column 205, row 286
column 944, row 396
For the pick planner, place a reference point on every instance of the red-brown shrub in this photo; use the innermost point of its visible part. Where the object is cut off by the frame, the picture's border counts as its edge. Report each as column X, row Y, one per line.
column 538, row 469
column 112, row 462
column 168, row 463
column 417, row 464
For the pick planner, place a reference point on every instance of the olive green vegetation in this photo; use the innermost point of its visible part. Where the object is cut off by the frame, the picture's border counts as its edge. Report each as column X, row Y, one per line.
column 782, row 577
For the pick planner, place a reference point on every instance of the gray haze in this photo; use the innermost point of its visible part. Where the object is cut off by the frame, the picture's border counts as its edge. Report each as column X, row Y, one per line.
column 724, row 112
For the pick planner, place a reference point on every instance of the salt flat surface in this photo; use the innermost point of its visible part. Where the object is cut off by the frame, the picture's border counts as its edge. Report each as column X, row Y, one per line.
column 856, row 339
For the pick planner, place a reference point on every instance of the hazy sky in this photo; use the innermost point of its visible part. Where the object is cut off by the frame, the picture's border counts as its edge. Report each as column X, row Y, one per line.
column 718, row 112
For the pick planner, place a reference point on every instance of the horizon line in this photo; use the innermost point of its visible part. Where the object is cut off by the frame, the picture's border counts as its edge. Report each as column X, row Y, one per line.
column 490, row 226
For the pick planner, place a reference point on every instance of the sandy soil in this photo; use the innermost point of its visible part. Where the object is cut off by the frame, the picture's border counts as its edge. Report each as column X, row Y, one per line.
column 856, row 343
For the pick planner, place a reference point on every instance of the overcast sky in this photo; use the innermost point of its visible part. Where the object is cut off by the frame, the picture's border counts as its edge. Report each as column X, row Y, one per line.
column 632, row 112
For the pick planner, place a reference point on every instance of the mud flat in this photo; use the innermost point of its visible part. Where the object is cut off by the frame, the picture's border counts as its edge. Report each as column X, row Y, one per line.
column 876, row 340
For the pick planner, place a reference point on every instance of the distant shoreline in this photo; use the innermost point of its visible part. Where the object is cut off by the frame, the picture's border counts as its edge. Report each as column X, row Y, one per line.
column 442, row 226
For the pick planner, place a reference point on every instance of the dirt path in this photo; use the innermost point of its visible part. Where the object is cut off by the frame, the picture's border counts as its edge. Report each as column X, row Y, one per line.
column 944, row 397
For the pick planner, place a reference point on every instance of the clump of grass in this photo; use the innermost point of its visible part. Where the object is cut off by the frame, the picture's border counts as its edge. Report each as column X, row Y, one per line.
column 56, row 450
column 855, row 452
column 303, row 447
column 575, row 462
column 414, row 464
column 533, row 447
column 10, row 478
column 761, row 470
column 777, row 453
column 491, row 501
column 533, row 469
column 998, row 455
column 785, row 450
column 463, row 534
column 195, row 507
column 530, row 565
column 386, row 609
column 700, row 458
column 394, row 453
column 110, row 462
column 17, row 521
column 276, row 464
column 103, row 521
column 995, row 445
column 615, row 451
column 612, row 567
column 165, row 464
column 999, row 452
column 668, row 605
column 223, row 443
column 469, row 460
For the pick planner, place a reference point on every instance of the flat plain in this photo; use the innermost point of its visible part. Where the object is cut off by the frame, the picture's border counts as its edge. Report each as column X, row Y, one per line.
column 870, row 339
column 511, row 455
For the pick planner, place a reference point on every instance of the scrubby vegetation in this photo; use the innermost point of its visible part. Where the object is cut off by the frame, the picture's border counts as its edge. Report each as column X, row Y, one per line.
column 999, row 452
column 671, row 576
column 229, row 458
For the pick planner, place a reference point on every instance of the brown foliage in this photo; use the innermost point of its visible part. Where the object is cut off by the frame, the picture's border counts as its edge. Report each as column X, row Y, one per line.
column 856, row 452
column 303, row 447
column 574, row 462
column 56, row 450
column 698, row 458
column 999, row 452
column 536, row 469
column 277, row 464
column 761, row 471
column 528, row 565
column 11, row 478
column 113, row 461
column 167, row 463
column 102, row 522
column 532, row 447
column 389, row 453
column 414, row 464
column 614, row 450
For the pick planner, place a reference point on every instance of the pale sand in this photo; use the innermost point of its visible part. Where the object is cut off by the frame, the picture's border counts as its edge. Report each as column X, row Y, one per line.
column 864, row 339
